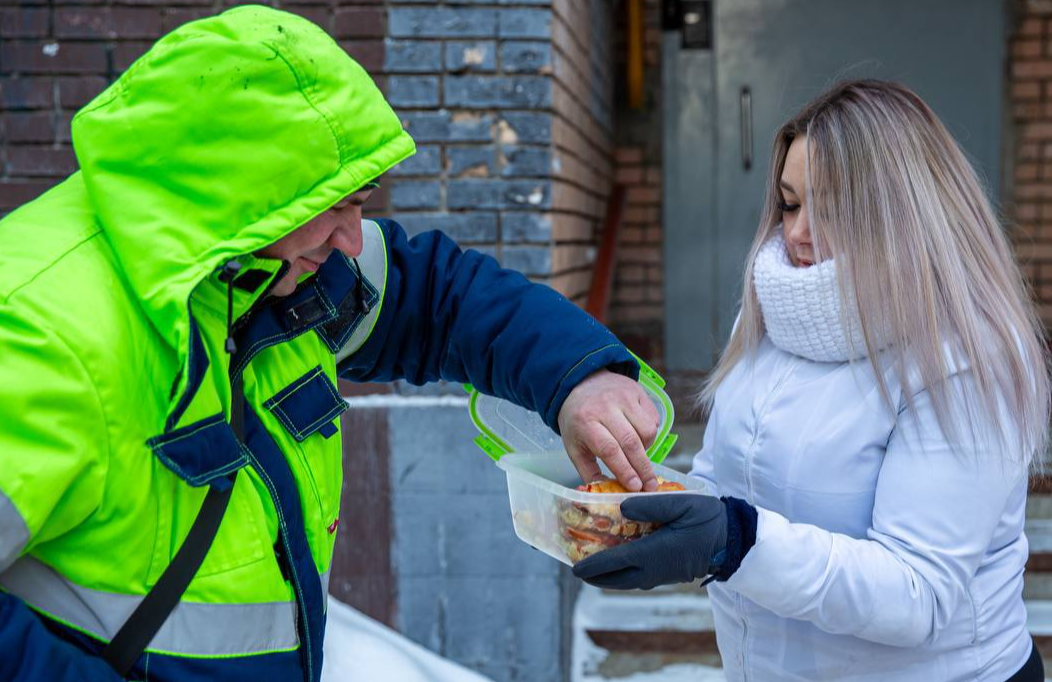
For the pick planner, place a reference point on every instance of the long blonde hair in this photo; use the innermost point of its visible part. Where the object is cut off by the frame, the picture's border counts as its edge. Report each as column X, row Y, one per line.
column 918, row 249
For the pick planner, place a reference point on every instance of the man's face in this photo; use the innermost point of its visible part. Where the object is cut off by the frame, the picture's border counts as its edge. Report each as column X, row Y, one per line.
column 339, row 228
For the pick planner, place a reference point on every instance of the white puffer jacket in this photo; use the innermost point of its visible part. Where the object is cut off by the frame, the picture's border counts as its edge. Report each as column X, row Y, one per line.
column 881, row 553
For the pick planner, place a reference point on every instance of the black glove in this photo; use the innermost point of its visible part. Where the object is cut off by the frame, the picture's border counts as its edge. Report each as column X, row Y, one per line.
column 700, row 535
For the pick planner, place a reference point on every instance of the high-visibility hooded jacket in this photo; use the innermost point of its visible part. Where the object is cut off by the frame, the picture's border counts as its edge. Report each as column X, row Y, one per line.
column 115, row 383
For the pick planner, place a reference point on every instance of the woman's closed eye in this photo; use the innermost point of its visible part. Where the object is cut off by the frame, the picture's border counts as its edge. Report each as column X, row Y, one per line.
column 786, row 207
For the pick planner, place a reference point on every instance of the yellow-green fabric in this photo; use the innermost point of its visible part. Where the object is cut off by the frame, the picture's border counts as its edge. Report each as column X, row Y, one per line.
column 227, row 135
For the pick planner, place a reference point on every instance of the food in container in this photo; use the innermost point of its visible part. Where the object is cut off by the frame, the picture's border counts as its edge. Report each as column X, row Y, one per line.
column 587, row 528
column 551, row 510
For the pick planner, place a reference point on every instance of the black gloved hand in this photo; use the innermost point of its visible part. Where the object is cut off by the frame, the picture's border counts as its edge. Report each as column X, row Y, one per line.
column 691, row 543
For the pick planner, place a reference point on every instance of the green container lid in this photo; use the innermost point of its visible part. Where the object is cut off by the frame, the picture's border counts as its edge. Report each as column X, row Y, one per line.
column 506, row 427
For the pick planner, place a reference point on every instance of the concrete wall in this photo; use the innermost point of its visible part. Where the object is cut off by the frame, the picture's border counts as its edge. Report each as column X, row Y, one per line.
column 468, row 588
column 464, row 585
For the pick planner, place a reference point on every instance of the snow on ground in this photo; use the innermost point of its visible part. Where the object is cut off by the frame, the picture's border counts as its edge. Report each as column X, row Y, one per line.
column 359, row 649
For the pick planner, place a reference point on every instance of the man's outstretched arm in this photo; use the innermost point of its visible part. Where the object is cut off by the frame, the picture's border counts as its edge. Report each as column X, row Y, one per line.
column 444, row 313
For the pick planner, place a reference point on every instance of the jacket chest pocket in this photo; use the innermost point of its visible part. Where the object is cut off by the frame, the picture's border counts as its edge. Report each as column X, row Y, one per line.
column 202, row 454
column 307, row 409
column 309, row 405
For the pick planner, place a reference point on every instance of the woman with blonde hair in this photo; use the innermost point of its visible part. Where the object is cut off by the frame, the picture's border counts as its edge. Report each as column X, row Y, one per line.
column 873, row 421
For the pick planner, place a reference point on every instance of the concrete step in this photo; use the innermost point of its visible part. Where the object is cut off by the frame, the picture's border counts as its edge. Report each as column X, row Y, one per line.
column 1039, row 534
column 659, row 636
column 1037, row 581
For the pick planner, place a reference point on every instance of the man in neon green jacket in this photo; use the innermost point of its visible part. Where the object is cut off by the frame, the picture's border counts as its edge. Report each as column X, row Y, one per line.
column 172, row 320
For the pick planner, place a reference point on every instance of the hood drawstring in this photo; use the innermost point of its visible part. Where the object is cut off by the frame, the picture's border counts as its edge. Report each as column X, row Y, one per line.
column 230, row 270
column 359, row 289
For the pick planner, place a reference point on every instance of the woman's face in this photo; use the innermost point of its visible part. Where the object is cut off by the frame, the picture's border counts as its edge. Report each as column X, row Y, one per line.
column 794, row 212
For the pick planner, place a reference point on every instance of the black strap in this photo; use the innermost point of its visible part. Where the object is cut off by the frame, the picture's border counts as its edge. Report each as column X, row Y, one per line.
column 139, row 630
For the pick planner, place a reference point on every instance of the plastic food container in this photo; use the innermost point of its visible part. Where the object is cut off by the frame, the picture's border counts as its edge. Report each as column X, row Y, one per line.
column 548, row 512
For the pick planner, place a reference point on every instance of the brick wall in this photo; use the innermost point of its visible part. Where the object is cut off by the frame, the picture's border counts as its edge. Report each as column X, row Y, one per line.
column 637, row 308
column 56, row 55
column 1028, row 192
column 511, row 109
column 582, row 135
column 470, row 86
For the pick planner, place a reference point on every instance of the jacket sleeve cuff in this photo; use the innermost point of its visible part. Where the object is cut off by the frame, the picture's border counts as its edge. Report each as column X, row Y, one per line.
column 741, row 535
column 614, row 357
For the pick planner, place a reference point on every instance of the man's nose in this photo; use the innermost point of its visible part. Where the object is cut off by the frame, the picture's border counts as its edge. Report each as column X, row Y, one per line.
column 347, row 238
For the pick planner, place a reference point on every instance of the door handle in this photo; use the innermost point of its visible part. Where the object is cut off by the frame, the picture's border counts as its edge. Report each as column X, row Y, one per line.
column 746, row 124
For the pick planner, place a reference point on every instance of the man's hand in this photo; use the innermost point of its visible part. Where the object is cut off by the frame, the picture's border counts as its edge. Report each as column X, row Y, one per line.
column 610, row 416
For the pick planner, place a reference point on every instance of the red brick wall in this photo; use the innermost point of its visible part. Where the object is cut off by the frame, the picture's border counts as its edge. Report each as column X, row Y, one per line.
column 637, row 307
column 56, row 55
column 638, row 295
column 1029, row 191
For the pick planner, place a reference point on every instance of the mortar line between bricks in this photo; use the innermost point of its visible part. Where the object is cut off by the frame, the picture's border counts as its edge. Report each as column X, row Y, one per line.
column 586, row 160
column 605, row 143
column 581, row 51
column 606, row 136
column 594, row 194
column 556, row 16
column 574, row 129
column 571, row 62
column 595, row 163
column 584, row 78
column 576, row 214
column 604, row 180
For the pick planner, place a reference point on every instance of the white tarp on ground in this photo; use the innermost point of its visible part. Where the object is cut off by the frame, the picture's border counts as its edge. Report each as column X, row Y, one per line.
column 359, row 649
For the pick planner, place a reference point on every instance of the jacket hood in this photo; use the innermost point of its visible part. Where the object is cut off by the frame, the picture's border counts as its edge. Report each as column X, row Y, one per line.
column 228, row 134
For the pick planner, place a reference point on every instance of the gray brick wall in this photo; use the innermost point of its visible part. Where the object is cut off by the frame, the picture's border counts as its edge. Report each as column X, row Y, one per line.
column 472, row 83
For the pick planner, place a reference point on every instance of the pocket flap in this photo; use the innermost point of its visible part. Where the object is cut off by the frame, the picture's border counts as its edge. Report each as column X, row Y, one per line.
column 309, row 404
column 203, row 452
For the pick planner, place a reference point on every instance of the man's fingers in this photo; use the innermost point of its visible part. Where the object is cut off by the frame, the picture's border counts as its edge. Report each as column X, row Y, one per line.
column 644, row 418
column 601, row 442
column 630, row 443
column 583, row 461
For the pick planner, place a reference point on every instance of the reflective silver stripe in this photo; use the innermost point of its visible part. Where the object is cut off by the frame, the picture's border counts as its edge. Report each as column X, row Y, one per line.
column 373, row 263
column 325, row 582
column 192, row 630
column 14, row 534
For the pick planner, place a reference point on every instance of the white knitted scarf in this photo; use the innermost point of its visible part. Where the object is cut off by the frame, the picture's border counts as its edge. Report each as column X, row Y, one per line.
column 801, row 307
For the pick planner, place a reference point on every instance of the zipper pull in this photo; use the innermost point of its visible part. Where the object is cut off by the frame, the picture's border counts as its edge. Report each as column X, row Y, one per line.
column 230, row 270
